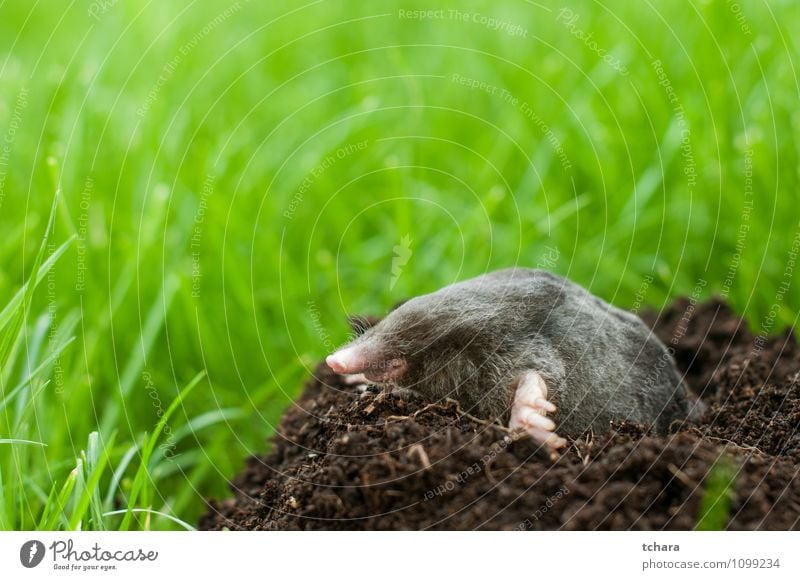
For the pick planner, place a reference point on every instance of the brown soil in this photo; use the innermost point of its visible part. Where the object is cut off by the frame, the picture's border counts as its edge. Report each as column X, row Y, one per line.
column 377, row 461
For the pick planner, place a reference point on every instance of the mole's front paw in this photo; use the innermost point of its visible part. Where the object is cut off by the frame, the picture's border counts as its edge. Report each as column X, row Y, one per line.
column 529, row 411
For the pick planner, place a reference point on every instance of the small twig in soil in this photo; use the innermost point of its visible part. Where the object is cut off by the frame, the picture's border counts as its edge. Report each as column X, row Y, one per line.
column 397, row 418
column 418, row 450
column 733, row 444
column 585, row 458
column 463, row 413
column 489, row 475
column 425, row 408
column 681, row 476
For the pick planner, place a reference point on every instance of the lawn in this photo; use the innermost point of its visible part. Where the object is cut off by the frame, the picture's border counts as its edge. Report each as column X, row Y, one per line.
column 228, row 180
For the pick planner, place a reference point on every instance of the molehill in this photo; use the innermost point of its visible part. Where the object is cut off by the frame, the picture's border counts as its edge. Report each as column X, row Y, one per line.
column 349, row 460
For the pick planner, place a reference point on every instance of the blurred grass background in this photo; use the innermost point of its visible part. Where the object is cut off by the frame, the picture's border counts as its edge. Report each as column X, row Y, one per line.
column 236, row 177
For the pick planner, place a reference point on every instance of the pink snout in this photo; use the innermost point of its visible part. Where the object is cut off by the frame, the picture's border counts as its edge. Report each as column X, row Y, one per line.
column 336, row 364
column 355, row 359
column 348, row 361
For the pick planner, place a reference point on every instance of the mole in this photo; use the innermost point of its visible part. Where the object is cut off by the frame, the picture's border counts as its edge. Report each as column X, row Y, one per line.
column 529, row 348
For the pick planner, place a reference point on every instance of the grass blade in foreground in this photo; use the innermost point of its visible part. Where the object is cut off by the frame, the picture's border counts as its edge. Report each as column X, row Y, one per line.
column 143, row 474
column 715, row 506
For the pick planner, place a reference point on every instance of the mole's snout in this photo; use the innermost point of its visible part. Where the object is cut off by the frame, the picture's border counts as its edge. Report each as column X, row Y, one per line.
column 346, row 361
column 357, row 359
column 335, row 364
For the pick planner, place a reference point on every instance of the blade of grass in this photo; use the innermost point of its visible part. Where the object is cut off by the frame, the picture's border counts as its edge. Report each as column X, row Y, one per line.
column 197, row 424
column 47, row 508
column 10, row 310
column 55, row 510
column 36, row 372
column 22, row 441
column 144, row 344
column 150, row 443
column 149, row 511
column 40, row 267
column 716, row 503
column 95, row 463
column 119, row 472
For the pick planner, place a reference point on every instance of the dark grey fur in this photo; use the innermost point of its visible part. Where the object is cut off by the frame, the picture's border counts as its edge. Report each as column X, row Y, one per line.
column 471, row 340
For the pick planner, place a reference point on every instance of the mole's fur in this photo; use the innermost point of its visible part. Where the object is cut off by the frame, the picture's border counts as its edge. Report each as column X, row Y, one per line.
column 472, row 340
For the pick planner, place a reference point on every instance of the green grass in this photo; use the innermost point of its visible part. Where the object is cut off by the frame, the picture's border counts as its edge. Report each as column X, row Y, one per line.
column 179, row 138
column 718, row 494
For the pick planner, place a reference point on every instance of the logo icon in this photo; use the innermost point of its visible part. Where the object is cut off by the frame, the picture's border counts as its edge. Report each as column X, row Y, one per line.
column 31, row 553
